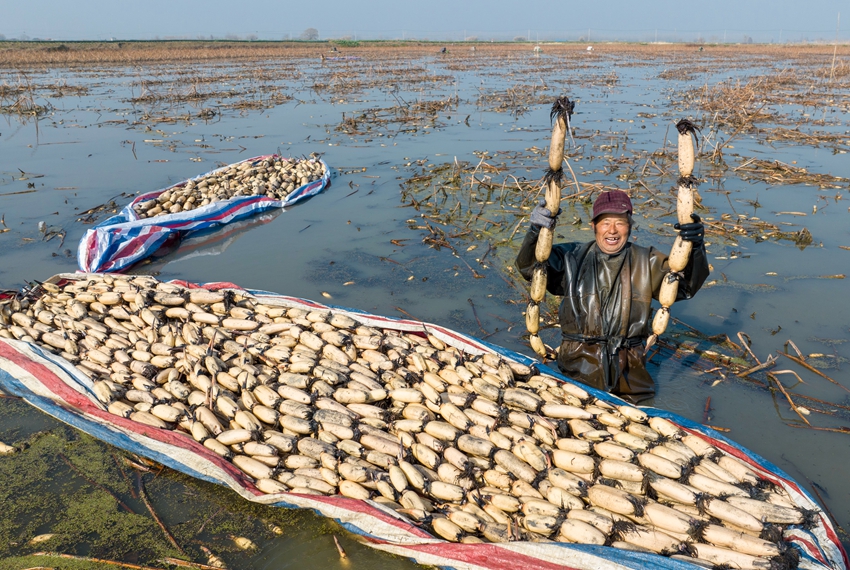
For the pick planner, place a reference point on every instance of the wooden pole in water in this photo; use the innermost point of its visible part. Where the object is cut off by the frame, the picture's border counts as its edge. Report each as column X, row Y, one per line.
column 560, row 114
column 681, row 251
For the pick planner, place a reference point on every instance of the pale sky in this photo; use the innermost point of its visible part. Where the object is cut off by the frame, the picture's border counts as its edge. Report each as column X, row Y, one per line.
column 442, row 20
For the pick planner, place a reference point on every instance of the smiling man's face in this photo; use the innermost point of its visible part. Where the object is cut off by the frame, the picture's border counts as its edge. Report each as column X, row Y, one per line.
column 612, row 232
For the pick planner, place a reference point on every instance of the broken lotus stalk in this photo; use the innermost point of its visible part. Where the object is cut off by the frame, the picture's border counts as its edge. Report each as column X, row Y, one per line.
column 560, row 116
column 681, row 251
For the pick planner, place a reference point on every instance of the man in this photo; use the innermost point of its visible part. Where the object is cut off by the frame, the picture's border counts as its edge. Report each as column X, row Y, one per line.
column 607, row 286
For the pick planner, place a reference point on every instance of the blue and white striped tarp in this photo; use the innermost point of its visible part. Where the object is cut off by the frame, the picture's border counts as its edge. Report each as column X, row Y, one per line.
column 124, row 239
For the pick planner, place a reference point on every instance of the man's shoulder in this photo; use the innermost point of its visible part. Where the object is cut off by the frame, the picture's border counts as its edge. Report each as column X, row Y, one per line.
column 640, row 248
column 640, row 251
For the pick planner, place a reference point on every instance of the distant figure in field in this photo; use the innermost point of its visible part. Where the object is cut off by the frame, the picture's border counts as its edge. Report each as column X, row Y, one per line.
column 589, row 48
column 444, row 50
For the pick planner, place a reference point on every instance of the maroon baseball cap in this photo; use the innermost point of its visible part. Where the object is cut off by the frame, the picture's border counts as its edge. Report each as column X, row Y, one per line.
column 612, row 202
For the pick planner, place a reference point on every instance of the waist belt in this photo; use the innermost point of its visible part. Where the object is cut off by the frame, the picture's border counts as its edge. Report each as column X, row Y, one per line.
column 611, row 346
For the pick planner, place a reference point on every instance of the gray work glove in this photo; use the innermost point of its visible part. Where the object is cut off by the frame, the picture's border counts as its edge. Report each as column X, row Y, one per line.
column 541, row 217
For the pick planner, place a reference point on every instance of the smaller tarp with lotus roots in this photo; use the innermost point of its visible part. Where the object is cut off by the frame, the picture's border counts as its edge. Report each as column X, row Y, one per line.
column 216, row 198
column 427, row 443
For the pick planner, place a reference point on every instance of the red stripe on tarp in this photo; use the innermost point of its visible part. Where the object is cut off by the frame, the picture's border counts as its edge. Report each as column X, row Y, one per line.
column 486, row 555
column 83, row 404
column 242, row 205
column 814, row 551
column 831, row 535
column 46, row 377
column 458, row 337
column 209, row 286
column 91, row 250
column 152, row 195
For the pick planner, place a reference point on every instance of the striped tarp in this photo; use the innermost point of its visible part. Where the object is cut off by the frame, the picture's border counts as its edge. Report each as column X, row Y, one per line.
column 57, row 388
column 124, row 239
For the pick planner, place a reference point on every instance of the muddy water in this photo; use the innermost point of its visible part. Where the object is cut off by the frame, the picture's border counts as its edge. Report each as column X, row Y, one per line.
column 354, row 245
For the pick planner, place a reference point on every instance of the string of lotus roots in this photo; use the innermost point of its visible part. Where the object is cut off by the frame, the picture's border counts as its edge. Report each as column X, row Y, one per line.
column 560, row 114
column 474, row 447
column 273, row 177
column 681, row 251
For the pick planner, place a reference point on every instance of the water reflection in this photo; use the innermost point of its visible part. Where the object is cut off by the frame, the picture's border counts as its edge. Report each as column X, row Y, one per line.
column 201, row 243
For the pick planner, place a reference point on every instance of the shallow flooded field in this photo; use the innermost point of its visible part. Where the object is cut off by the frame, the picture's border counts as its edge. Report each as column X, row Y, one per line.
column 439, row 159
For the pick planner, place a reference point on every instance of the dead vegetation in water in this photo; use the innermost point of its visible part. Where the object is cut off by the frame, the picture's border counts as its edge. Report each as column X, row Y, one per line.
column 179, row 93
column 189, row 94
column 24, row 107
column 733, row 104
column 722, row 359
column 25, row 54
column 516, row 100
column 838, row 70
column 748, row 102
column 406, row 118
column 19, row 98
column 778, row 173
column 815, row 138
